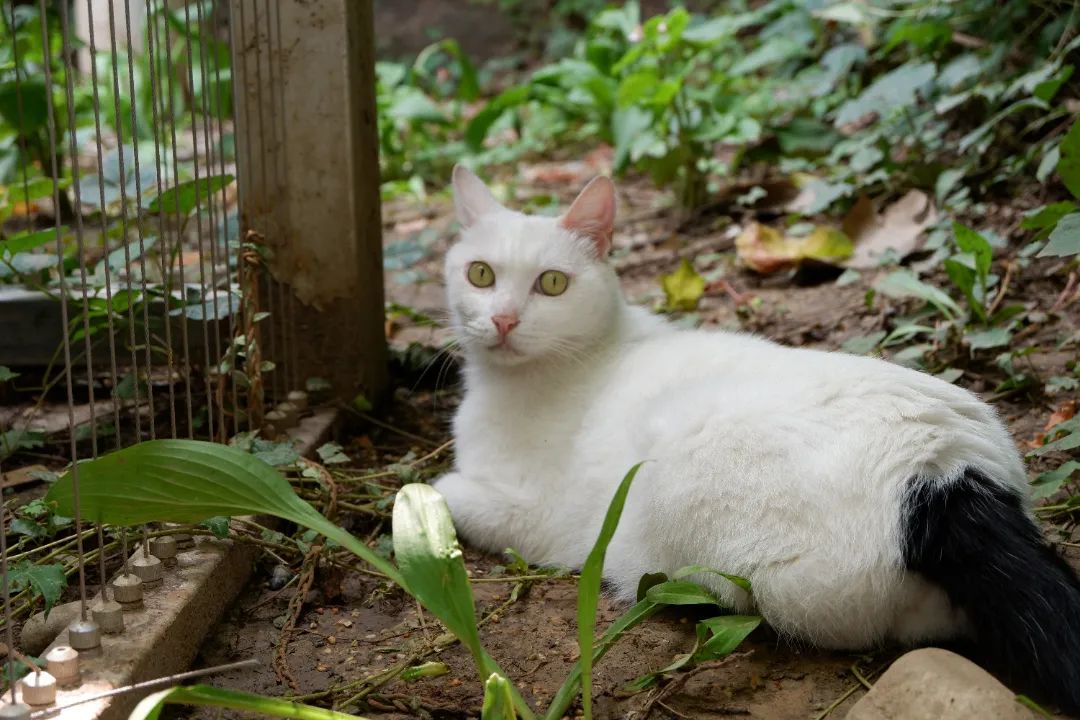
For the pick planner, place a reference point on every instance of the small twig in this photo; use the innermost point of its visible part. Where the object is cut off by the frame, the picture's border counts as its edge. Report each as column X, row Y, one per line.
column 1063, row 298
column 396, row 430
column 680, row 680
column 1009, row 268
column 863, row 682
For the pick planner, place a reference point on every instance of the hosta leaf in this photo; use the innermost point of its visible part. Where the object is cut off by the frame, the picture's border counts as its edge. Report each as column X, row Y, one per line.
column 188, row 481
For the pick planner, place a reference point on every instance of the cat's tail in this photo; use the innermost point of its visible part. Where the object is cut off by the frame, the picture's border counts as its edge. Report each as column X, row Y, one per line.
column 974, row 539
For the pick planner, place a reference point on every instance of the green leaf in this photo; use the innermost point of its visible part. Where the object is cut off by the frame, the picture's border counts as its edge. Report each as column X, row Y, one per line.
column 1069, row 164
column 1064, row 238
column 150, row 707
column 477, row 129
column 771, row 52
column 896, row 89
column 990, row 338
column 46, row 581
column 726, row 634
column 425, row 670
column 498, row 699
column 683, row 288
column 6, row 374
column 1046, row 218
column 972, row 242
column 1050, row 482
column 186, row 196
column 25, row 526
column 589, row 586
column 431, row 563
column 217, row 525
column 23, row 104
column 680, row 592
column 187, row 481
column 903, row 283
column 630, row 619
column 24, row 242
column 332, row 454
column 695, row 569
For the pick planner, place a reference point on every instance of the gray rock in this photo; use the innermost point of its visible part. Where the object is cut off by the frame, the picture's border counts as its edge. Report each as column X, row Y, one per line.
column 935, row 684
column 39, row 632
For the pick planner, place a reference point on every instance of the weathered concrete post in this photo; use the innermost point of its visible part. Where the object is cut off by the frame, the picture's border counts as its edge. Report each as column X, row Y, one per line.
column 307, row 157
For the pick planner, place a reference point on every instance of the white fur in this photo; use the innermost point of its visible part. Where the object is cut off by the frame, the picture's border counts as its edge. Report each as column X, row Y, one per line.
column 785, row 466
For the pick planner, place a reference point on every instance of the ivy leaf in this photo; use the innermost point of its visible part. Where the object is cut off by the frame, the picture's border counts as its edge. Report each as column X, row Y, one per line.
column 683, row 288
column 46, row 581
column 217, row 525
column 332, row 454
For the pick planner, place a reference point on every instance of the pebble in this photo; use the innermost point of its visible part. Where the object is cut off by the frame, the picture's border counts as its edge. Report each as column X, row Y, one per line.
column 935, row 684
column 39, row 631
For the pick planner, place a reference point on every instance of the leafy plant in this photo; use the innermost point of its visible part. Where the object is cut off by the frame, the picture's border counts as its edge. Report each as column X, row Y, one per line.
column 190, row 481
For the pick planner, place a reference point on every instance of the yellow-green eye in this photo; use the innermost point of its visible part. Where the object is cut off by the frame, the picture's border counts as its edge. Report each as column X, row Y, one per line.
column 481, row 275
column 552, row 282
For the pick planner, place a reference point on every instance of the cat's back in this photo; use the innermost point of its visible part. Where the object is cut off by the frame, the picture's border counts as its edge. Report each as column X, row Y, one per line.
column 684, row 384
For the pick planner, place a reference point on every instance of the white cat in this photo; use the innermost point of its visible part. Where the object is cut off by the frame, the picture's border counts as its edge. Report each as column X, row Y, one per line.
column 864, row 501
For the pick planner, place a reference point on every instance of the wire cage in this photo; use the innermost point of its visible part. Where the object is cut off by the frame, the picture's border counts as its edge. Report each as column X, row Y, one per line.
column 189, row 232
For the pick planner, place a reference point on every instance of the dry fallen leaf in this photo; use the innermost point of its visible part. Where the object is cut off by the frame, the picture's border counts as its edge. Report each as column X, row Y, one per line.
column 765, row 250
column 683, row 288
column 899, row 228
column 1065, row 411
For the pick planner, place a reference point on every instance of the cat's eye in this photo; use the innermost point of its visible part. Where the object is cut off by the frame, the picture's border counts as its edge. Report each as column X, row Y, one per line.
column 552, row 282
column 481, row 275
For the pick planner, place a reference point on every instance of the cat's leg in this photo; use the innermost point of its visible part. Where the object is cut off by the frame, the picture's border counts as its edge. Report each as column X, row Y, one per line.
column 477, row 510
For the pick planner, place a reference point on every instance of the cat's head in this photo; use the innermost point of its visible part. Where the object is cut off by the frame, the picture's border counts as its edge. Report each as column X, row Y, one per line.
column 523, row 288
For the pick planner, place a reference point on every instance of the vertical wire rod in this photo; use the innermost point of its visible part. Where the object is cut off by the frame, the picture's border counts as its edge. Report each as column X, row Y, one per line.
column 103, row 216
column 181, row 224
column 218, row 402
column 142, row 240
column 217, row 101
column 6, row 589
column 51, row 125
column 238, row 32
column 164, row 254
column 199, row 221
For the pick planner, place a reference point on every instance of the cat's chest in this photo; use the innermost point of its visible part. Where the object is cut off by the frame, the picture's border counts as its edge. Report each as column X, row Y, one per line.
column 516, row 435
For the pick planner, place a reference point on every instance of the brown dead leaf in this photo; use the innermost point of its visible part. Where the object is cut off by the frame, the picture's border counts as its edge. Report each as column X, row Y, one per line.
column 899, row 228
column 1065, row 411
column 765, row 250
column 22, row 476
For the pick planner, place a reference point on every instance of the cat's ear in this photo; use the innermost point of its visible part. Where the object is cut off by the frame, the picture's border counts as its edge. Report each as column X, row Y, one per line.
column 472, row 199
column 593, row 214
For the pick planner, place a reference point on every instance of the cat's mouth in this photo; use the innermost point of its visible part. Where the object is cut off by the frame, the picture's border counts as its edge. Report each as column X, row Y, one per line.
column 505, row 349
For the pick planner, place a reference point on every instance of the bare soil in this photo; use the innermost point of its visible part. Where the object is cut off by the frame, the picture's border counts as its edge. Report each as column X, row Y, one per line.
column 350, row 629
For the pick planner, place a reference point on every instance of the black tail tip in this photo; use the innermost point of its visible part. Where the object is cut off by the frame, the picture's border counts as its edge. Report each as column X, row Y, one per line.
column 974, row 539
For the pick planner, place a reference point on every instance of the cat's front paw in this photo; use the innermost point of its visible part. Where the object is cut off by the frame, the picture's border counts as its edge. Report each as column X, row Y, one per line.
column 460, row 494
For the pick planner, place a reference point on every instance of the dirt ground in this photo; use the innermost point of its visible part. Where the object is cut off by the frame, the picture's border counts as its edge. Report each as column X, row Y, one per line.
column 350, row 629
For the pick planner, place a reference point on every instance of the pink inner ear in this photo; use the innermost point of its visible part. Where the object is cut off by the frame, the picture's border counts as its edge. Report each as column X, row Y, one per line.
column 592, row 214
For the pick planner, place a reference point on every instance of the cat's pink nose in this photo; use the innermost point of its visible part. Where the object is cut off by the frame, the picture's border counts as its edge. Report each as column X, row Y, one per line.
column 504, row 323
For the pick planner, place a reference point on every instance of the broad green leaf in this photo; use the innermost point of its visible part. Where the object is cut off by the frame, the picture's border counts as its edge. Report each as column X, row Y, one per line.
column 972, row 242
column 896, row 89
column 498, row 699
column 771, row 52
column 630, row 619
column 638, row 87
column 680, row 592
column 46, row 581
column 432, row 564
column 1067, row 441
column 695, row 569
column 1064, row 238
column 150, row 707
column 23, row 104
column 990, row 338
column 1050, row 482
column 1046, row 218
column 26, row 241
column 683, row 288
column 188, row 481
column 477, row 129
column 903, row 283
column 726, row 633
column 186, row 196
column 1069, row 164
column 7, row 374
column 589, row 586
